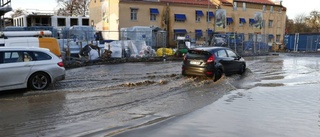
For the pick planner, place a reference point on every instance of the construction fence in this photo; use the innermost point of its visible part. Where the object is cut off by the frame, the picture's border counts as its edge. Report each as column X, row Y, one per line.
column 243, row 44
column 302, row 42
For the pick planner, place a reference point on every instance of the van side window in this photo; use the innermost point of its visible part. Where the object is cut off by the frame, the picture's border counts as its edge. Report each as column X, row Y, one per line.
column 42, row 56
column 2, row 45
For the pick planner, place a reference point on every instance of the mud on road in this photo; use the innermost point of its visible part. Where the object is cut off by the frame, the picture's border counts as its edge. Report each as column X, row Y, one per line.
column 107, row 99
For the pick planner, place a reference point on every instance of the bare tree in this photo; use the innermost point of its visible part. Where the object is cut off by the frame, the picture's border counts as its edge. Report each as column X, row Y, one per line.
column 313, row 21
column 300, row 18
column 290, row 26
column 300, row 25
column 18, row 12
column 73, row 7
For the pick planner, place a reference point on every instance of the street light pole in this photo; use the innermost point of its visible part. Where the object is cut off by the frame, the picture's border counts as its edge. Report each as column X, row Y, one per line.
column 207, row 35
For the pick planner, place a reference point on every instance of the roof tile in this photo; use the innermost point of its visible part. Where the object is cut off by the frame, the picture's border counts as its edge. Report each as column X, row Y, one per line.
column 195, row 2
column 258, row 1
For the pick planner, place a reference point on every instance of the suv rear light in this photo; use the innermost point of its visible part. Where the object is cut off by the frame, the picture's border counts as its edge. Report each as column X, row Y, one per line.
column 60, row 64
column 210, row 59
column 209, row 73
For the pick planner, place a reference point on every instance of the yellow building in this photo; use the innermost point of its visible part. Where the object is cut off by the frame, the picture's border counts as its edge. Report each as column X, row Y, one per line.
column 255, row 17
column 196, row 19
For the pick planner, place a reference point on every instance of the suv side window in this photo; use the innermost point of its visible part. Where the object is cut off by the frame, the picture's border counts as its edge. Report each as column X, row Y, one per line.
column 221, row 53
column 232, row 54
column 1, row 57
column 41, row 56
column 12, row 56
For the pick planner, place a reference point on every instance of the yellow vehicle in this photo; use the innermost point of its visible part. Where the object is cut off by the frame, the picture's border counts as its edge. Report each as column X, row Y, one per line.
column 42, row 42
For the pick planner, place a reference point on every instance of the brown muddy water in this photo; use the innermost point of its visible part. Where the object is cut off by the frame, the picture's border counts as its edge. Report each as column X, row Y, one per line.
column 278, row 96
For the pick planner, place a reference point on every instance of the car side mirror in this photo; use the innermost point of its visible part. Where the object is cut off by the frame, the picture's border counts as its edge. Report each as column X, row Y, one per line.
column 237, row 58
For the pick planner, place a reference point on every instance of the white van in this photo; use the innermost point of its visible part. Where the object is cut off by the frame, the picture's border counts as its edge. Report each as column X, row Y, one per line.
column 42, row 42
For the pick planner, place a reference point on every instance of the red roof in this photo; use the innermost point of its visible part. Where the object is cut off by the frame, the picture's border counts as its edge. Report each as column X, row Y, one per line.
column 258, row 1
column 224, row 1
column 195, row 2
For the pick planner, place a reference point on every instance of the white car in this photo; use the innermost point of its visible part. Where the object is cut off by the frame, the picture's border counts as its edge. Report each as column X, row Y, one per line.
column 34, row 68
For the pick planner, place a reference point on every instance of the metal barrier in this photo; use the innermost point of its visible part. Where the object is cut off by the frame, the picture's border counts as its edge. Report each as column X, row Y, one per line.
column 243, row 44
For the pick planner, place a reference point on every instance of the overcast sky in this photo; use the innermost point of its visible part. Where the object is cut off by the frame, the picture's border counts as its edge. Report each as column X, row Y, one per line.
column 294, row 7
column 34, row 4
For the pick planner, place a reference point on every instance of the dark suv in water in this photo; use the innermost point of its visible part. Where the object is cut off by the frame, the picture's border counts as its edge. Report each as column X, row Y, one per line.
column 212, row 62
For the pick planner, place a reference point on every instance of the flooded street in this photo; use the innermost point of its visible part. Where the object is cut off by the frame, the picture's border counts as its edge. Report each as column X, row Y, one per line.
column 277, row 96
column 280, row 99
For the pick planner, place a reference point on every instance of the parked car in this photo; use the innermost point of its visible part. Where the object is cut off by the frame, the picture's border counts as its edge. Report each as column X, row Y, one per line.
column 219, row 42
column 212, row 62
column 34, row 68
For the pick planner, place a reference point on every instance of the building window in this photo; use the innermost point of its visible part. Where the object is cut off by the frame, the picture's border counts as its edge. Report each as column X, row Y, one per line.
column 270, row 24
column 198, row 18
column 198, row 34
column 180, row 17
column 279, row 10
column 208, row 19
column 242, row 21
column 153, row 14
column 134, row 13
column 22, row 22
column 179, row 32
column 85, row 22
column 278, row 38
column 61, row 22
column 199, row 14
column 73, row 22
column 264, row 8
column 244, row 6
column 271, row 9
column 234, row 5
column 153, row 17
column 270, row 38
column 251, row 22
column 210, row 15
column 229, row 21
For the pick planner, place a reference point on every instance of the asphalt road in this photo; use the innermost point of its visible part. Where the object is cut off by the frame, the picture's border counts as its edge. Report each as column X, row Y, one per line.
column 106, row 100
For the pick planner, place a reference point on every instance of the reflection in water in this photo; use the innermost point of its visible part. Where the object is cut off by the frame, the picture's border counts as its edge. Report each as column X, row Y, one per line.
column 269, row 84
column 274, row 106
column 32, row 114
column 258, row 112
